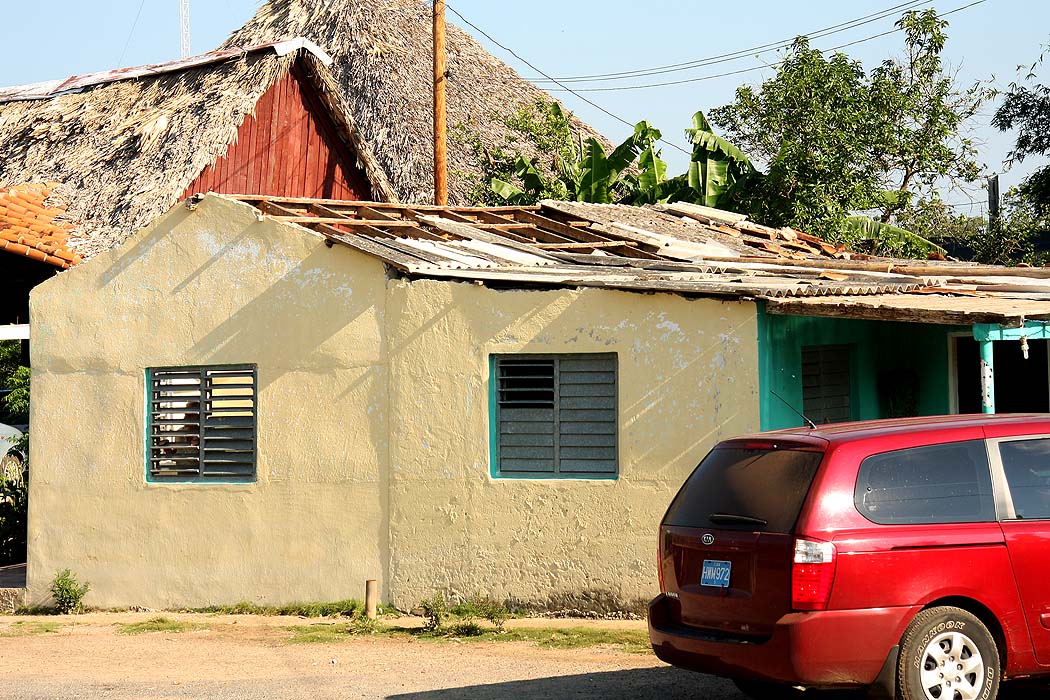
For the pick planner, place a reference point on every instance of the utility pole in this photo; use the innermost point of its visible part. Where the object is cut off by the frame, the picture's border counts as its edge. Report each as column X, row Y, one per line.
column 440, row 116
column 184, row 27
column 993, row 202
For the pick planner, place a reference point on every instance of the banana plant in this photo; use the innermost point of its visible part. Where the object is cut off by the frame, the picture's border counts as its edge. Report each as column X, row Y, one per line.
column 718, row 170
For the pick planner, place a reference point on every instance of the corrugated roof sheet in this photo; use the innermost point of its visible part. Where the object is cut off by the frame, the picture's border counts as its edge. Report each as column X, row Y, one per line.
column 53, row 88
column 571, row 244
column 678, row 248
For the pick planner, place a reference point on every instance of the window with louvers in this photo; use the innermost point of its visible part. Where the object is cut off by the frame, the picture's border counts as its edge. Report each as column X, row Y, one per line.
column 202, row 423
column 556, row 416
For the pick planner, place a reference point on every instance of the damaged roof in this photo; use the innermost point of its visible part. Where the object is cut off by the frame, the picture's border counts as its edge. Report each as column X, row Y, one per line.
column 680, row 248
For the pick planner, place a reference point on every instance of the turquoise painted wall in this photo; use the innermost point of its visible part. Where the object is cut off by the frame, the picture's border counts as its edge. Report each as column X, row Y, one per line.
column 878, row 348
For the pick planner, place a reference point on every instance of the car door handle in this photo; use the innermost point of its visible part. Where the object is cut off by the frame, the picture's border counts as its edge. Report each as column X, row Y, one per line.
column 1045, row 619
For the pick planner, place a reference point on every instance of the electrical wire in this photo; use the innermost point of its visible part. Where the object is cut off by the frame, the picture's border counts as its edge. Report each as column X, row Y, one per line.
column 601, row 109
column 120, row 61
column 744, row 53
column 741, row 71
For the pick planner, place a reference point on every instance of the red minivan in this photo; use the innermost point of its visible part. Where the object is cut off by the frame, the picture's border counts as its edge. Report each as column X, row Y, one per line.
column 910, row 557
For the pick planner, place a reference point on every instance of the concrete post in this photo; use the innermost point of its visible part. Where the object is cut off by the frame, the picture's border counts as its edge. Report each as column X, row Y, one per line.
column 987, row 376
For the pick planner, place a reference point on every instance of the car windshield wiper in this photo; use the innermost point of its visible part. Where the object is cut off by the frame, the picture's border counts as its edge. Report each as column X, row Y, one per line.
column 733, row 519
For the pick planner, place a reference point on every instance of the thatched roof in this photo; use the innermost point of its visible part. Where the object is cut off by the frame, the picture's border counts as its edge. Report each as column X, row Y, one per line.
column 383, row 62
column 125, row 145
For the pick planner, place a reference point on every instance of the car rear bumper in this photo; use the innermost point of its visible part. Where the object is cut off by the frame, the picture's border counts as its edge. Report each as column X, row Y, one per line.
column 828, row 649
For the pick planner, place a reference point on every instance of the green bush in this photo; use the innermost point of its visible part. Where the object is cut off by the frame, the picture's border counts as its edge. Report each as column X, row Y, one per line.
column 68, row 592
column 435, row 610
column 495, row 613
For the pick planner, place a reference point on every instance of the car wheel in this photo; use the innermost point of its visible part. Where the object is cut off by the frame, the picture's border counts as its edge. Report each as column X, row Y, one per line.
column 947, row 654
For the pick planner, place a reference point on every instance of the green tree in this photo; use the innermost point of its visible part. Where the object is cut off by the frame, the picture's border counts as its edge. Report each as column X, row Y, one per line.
column 1026, row 110
column 836, row 140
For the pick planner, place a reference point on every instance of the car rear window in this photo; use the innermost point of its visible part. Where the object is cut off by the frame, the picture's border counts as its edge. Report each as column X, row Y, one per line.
column 1027, row 467
column 947, row 483
column 752, row 485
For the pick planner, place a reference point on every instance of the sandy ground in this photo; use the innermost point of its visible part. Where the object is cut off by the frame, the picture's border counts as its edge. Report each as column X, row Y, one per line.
column 249, row 658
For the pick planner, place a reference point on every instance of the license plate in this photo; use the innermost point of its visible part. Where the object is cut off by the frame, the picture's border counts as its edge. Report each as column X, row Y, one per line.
column 716, row 573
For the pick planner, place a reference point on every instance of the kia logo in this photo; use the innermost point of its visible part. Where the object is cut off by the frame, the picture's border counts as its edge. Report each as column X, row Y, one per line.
column 708, row 539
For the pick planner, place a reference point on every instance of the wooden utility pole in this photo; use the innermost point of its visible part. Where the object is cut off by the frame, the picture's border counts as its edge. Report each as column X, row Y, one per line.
column 440, row 117
column 993, row 202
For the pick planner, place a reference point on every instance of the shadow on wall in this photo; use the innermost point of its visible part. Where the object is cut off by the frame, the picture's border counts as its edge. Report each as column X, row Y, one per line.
column 661, row 683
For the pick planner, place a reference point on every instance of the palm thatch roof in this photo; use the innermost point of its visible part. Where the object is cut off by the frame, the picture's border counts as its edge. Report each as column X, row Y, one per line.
column 382, row 51
column 123, row 146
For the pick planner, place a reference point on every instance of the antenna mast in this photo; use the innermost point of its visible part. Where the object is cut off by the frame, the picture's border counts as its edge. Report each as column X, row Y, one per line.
column 184, row 24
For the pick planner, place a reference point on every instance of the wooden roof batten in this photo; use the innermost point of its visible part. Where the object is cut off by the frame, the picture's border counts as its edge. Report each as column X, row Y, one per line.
column 683, row 249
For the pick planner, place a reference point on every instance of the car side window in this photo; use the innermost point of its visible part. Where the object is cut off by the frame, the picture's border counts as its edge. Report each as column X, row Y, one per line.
column 1027, row 467
column 948, row 483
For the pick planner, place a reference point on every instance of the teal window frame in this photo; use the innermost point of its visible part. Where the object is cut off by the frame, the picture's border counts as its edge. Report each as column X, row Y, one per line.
column 497, row 472
column 149, row 416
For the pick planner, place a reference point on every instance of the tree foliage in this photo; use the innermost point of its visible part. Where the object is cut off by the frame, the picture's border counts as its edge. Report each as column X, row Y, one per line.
column 634, row 173
column 1026, row 110
column 835, row 139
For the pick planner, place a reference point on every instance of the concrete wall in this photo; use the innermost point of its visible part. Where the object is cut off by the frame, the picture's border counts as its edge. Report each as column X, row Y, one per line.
column 373, row 418
column 687, row 378
column 213, row 286
column 876, row 354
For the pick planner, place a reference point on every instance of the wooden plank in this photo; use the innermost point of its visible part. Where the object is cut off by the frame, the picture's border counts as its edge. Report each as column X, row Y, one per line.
column 300, row 219
column 597, row 244
column 373, row 247
column 466, row 231
column 796, row 307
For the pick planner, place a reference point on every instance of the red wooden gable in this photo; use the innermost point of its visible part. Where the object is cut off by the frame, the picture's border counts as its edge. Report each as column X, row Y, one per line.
column 288, row 148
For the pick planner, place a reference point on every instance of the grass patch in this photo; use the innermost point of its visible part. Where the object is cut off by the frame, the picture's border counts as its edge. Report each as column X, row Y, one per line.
column 160, row 624
column 29, row 629
column 631, row 641
column 340, row 608
column 334, row 633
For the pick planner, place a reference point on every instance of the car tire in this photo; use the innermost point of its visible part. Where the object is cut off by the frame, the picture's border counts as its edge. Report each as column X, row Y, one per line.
column 947, row 652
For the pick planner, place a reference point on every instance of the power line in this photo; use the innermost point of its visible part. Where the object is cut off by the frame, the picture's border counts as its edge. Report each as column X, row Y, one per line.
column 744, row 53
column 120, row 61
column 601, row 109
column 741, row 71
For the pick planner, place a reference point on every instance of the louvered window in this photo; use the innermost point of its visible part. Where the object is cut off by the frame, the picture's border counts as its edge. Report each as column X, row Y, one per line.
column 826, row 390
column 201, row 423
column 555, row 416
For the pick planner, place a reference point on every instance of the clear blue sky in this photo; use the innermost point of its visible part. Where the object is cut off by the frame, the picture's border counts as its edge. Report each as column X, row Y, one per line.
column 47, row 40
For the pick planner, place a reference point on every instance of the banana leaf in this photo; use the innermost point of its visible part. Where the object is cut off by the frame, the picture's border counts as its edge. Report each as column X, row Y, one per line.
column 889, row 237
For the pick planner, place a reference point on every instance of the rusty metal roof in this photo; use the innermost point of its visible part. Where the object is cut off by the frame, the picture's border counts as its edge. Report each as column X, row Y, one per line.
column 53, row 88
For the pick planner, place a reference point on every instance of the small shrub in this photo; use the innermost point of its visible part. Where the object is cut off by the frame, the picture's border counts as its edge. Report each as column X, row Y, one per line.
column 496, row 613
column 68, row 592
column 435, row 610
column 469, row 628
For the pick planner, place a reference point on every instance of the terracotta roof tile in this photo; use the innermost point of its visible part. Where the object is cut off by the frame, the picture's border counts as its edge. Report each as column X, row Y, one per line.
column 29, row 227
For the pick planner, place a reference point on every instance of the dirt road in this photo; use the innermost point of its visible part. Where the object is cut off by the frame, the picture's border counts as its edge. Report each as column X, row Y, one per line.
column 250, row 658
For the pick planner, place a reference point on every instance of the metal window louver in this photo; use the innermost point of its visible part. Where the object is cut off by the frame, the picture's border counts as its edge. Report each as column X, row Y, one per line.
column 202, row 423
column 557, row 415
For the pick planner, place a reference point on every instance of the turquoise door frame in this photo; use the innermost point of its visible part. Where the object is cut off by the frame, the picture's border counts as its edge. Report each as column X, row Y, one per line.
column 986, row 334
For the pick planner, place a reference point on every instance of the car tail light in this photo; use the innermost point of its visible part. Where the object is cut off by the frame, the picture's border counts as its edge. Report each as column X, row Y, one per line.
column 660, row 564
column 812, row 575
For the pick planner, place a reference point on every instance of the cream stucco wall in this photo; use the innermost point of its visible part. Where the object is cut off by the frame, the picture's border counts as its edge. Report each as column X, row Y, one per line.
column 213, row 286
column 687, row 378
column 373, row 418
